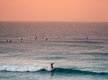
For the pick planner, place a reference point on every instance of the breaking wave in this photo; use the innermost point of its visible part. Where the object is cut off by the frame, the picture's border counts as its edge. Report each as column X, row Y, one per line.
column 28, row 68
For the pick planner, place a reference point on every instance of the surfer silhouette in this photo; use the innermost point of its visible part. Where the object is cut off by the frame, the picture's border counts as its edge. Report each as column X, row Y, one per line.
column 52, row 66
column 21, row 40
column 52, row 71
column 10, row 41
column 46, row 39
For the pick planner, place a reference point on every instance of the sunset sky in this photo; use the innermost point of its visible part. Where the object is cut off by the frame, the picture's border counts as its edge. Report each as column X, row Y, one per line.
column 54, row 10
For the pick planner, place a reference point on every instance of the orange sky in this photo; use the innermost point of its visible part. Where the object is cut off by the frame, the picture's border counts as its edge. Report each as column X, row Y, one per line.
column 54, row 10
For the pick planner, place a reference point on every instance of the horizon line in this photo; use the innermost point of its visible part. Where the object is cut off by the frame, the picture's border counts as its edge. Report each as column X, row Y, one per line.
column 62, row 21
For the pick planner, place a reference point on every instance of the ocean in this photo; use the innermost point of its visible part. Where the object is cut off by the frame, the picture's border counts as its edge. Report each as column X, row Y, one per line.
column 79, row 50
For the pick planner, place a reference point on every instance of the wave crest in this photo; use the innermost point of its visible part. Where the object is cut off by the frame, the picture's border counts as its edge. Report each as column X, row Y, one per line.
column 28, row 68
column 21, row 68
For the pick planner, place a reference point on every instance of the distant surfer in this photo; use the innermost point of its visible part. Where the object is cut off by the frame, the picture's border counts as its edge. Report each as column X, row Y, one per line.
column 46, row 39
column 10, row 41
column 21, row 40
column 42, row 37
column 36, row 37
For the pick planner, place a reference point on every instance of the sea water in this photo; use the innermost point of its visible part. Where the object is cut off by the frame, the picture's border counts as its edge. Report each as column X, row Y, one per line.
column 78, row 50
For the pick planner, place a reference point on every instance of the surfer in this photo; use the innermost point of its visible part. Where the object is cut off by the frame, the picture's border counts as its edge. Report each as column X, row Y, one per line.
column 46, row 39
column 10, row 41
column 42, row 37
column 52, row 65
column 36, row 37
column 52, row 71
column 21, row 40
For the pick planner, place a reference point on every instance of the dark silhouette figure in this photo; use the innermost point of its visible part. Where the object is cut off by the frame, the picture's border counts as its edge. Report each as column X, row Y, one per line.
column 52, row 71
column 52, row 66
column 10, row 41
column 36, row 37
column 21, row 40
column 46, row 39
column 42, row 37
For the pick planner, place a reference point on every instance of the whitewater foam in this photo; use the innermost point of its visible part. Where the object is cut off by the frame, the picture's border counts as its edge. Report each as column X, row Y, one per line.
column 21, row 68
column 32, row 68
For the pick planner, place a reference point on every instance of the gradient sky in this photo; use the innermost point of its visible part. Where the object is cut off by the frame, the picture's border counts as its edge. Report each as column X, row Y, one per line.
column 54, row 10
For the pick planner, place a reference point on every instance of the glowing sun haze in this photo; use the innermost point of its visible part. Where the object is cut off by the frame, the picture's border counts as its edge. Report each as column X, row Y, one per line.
column 54, row 10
